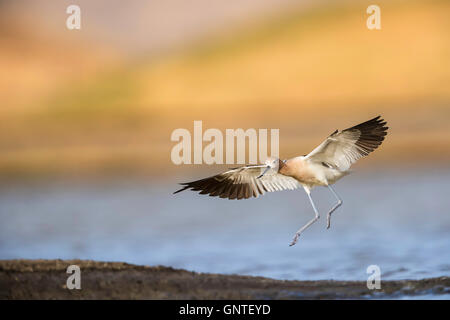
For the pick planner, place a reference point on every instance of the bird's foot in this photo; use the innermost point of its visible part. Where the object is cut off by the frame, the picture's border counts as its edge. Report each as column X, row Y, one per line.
column 328, row 223
column 294, row 241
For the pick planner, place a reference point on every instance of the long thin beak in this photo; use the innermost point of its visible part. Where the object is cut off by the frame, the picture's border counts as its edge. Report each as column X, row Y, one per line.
column 267, row 169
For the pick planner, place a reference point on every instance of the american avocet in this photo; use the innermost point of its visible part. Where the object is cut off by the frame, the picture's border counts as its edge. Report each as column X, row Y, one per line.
column 323, row 166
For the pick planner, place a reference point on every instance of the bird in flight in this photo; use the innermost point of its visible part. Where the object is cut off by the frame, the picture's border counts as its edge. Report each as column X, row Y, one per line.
column 323, row 166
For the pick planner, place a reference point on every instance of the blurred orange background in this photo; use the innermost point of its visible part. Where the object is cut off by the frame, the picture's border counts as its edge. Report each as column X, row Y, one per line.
column 104, row 100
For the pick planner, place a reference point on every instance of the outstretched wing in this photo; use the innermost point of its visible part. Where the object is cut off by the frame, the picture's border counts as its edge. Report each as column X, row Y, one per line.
column 242, row 183
column 343, row 148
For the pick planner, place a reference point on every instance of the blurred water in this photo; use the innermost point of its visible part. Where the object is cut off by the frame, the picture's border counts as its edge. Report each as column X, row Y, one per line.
column 399, row 221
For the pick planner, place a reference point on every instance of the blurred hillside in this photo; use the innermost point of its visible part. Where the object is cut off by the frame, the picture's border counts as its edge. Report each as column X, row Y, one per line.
column 72, row 106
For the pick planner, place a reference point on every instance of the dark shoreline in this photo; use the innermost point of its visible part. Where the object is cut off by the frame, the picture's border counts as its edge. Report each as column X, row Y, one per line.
column 46, row 279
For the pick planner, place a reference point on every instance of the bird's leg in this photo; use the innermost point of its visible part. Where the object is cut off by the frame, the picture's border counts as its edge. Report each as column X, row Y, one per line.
column 297, row 234
column 337, row 205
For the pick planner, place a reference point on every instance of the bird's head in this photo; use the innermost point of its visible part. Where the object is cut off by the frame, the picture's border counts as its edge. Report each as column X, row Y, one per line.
column 271, row 164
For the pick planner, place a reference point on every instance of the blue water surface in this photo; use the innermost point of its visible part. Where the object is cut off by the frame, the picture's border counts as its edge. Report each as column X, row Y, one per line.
column 398, row 220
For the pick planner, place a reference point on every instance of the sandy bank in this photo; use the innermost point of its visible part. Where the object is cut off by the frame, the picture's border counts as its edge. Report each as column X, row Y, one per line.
column 46, row 279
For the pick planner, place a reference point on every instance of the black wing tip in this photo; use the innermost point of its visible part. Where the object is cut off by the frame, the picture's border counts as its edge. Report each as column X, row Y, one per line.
column 228, row 195
column 378, row 121
column 182, row 189
column 373, row 133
